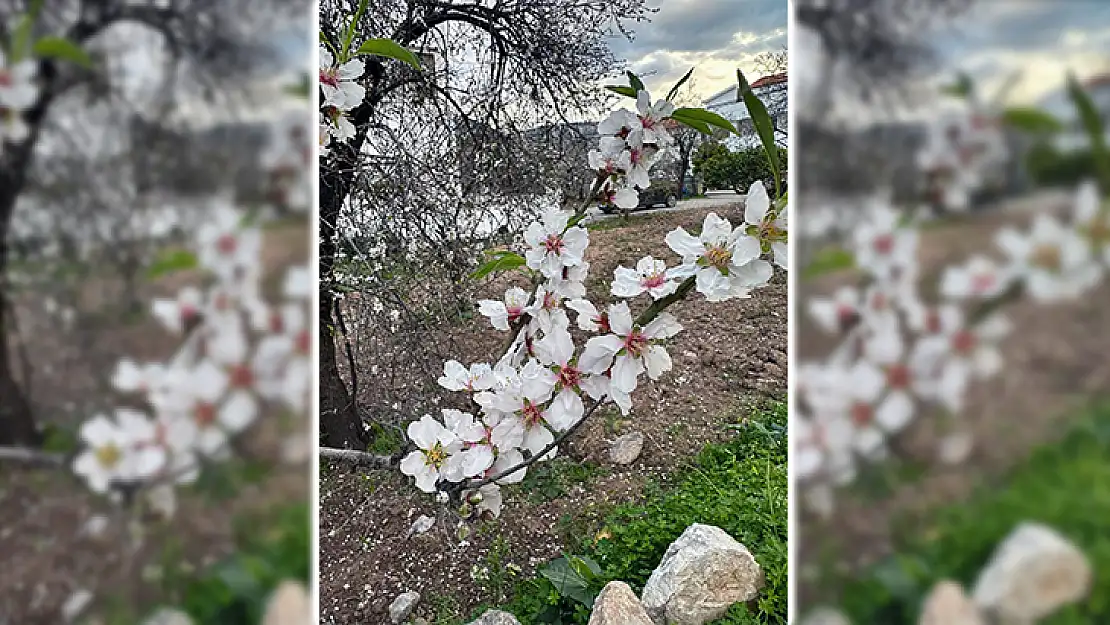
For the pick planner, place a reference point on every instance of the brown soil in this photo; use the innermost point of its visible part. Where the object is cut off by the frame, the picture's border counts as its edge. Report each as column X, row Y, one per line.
column 48, row 554
column 728, row 353
column 1055, row 358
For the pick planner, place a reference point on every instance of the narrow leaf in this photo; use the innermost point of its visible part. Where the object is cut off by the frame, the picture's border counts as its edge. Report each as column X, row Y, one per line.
column 635, row 81
column 708, row 117
column 390, row 49
column 349, row 37
column 622, row 90
column 762, row 123
column 674, row 90
column 61, row 49
column 500, row 263
column 1092, row 124
column 696, row 124
column 1032, row 120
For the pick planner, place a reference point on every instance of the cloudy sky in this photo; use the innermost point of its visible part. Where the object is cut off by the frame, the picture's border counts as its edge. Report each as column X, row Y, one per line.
column 715, row 36
column 1035, row 41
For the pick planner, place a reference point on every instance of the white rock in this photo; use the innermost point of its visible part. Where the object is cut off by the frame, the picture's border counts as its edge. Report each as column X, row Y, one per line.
column 627, row 448
column 618, row 605
column 826, row 616
column 289, row 604
column 401, row 608
column 948, row 604
column 76, row 604
column 1033, row 573
column 702, row 574
column 496, row 617
column 421, row 525
column 955, row 448
column 167, row 616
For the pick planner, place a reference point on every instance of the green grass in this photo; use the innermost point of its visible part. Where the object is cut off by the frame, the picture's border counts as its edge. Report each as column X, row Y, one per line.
column 1065, row 485
column 739, row 486
column 828, row 260
column 554, row 479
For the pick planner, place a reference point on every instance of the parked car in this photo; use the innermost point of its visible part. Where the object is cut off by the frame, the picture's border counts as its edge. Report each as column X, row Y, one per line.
column 660, row 192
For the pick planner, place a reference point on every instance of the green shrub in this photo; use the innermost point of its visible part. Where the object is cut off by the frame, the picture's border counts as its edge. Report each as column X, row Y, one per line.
column 1065, row 485
column 739, row 486
column 1050, row 167
column 736, row 170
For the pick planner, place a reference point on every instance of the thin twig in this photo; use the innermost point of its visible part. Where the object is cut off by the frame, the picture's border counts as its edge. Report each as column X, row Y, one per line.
column 26, row 455
column 358, row 458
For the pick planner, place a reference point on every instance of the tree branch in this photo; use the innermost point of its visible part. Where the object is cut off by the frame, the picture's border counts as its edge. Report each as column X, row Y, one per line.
column 359, row 458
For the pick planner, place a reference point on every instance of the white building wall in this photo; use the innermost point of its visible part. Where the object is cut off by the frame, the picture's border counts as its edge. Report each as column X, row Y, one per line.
column 774, row 97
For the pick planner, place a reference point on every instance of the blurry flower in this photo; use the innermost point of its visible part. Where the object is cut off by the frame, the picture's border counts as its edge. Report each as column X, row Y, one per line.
column 118, row 450
column 1053, row 261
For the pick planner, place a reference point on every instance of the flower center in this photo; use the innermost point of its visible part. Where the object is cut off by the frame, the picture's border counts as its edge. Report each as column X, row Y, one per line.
column 569, row 377
column 932, row 322
column 718, row 256
column 898, row 376
column 531, row 414
column 553, row 243
column 602, row 321
column 653, row 280
column 436, row 456
column 550, row 301
column 636, row 342
column 277, row 323
column 1047, row 256
column 1098, row 231
column 514, row 312
column 847, row 317
column 862, row 414
column 204, row 414
column 884, row 244
column 329, row 77
column 241, row 376
column 304, row 342
column 964, row 341
column 226, row 244
column 108, row 455
column 982, row 283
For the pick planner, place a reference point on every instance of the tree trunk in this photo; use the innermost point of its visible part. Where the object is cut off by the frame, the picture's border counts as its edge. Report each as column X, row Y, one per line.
column 340, row 424
column 17, row 422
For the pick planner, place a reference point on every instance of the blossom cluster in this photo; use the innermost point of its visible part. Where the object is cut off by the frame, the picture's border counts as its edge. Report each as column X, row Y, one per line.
column 18, row 91
column 959, row 157
column 901, row 356
column 541, row 385
column 241, row 356
column 341, row 93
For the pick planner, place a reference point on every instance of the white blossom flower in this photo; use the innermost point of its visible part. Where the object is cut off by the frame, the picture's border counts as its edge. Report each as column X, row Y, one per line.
column 874, row 409
column 456, row 377
column 882, row 246
column 338, row 83
column 476, row 454
column 571, row 284
column 622, row 195
column 961, row 355
column 435, row 445
column 1092, row 221
column 501, row 314
column 553, row 245
column 630, row 350
column 589, row 318
column 649, row 276
column 758, row 216
column 651, row 129
column 523, row 404
column 978, row 278
column 556, row 351
column 1053, row 261
column 620, row 123
column 118, row 451
column 725, row 262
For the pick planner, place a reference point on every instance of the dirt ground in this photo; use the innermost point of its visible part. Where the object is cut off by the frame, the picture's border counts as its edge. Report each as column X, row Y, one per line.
column 51, row 550
column 728, row 353
column 1055, row 359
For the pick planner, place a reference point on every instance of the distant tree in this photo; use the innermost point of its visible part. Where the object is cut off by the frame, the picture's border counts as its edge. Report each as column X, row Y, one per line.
column 771, row 62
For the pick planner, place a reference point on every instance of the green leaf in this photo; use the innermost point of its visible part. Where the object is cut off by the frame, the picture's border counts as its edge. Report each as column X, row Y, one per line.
column 622, row 90
column 763, row 124
column 506, row 261
column 1092, row 124
column 696, row 124
column 568, row 582
column 172, row 261
column 1031, row 120
column 350, row 35
column 674, row 90
column 635, row 81
column 962, row 88
column 62, row 49
column 702, row 115
column 391, row 49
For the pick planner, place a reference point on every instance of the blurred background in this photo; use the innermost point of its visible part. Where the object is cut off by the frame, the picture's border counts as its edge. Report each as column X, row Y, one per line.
column 952, row 432
column 146, row 115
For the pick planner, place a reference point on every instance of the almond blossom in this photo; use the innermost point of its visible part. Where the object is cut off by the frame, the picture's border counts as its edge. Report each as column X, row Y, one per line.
column 630, row 350
column 436, row 444
column 649, row 276
column 338, row 82
column 1052, row 260
column 725, row 262
column 765, row 225
column 503, row 313
column 457, row 377
column 553, row 245
column 116, row 451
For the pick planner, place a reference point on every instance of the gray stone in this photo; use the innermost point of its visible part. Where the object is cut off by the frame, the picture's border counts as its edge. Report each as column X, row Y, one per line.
column 618, row 605
column 421, row 525
column 826, row 616
column 1033, row 573
column 401, row 608
column 289, row 604
column 76, row 604
column 167, row 616
column 703, row 573
column 496, row 617
column 948, row 604
column 627, row 448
